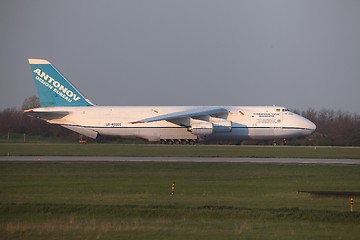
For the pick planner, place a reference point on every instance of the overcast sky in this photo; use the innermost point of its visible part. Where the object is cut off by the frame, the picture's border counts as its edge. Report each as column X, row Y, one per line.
column 297, row 54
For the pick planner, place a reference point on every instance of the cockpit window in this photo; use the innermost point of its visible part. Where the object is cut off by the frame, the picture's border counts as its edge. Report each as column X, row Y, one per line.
column 285, row 110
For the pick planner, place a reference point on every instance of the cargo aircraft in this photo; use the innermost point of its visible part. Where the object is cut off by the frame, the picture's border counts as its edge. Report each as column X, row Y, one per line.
column 62, row 104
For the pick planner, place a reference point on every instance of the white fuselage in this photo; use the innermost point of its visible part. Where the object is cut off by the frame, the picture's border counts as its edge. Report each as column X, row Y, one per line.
column 244, row 123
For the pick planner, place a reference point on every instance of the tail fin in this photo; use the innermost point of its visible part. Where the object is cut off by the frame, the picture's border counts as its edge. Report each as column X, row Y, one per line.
column 53, row 89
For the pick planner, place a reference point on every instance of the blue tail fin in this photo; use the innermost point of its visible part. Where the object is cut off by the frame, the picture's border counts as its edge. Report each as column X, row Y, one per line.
column 53, row 89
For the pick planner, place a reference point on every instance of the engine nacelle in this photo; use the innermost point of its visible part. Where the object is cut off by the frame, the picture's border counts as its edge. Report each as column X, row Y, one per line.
column 220, row 125
column 200, row 127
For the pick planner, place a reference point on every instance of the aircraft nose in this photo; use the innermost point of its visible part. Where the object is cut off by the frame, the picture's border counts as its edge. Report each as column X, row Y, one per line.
column 308, row 126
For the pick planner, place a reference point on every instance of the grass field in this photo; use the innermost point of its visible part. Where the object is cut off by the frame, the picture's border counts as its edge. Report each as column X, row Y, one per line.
column 18, row 149
column 211, row 201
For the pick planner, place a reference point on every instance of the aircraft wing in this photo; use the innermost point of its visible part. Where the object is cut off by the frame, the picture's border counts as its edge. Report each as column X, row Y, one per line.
column 191, row 113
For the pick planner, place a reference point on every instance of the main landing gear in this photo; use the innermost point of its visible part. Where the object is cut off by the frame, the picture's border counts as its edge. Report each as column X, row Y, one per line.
column 178, row 141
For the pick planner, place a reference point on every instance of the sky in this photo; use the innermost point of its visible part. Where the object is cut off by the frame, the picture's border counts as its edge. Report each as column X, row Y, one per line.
column 298, row 54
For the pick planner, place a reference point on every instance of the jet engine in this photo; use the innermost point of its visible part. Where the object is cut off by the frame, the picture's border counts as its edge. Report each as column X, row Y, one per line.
column 200, row 127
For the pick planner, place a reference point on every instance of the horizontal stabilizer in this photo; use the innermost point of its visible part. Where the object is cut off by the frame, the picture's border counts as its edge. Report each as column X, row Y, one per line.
column 46, row 115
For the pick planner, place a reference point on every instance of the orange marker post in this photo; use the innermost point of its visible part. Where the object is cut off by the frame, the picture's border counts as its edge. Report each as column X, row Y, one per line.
column 351, row 202
column 173, row 188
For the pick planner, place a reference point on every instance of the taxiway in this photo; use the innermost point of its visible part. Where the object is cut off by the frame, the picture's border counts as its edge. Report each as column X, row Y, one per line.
column 316, row 161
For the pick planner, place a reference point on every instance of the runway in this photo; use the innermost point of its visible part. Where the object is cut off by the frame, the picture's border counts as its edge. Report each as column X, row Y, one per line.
column 181, row 159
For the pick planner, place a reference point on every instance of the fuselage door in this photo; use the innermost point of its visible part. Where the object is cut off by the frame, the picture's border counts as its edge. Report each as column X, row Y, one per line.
column 278, row 115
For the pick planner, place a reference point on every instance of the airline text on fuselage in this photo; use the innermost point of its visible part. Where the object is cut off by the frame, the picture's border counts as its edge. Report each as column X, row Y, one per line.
column 54, row 85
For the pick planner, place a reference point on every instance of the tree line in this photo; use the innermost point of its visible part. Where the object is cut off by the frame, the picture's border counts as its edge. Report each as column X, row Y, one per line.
column 334, row 128
column 13, row 121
